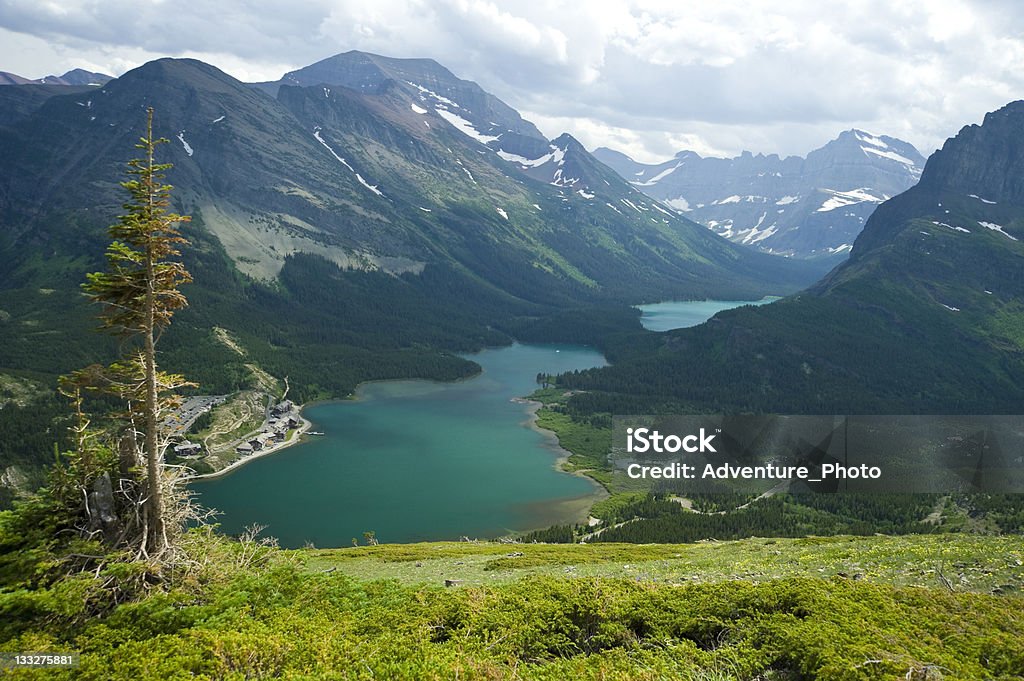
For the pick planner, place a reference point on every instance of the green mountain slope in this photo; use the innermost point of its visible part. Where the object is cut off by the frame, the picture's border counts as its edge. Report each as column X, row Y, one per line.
column 363, row 180
column 926, row 315
column 437, row 241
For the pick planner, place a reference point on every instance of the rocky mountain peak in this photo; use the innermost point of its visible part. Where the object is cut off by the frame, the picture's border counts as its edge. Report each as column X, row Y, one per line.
column 811, row 208
column 367, row 72
column 984, row 160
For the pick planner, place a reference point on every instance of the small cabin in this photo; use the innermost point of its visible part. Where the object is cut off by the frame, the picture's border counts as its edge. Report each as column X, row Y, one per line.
column 187, row 448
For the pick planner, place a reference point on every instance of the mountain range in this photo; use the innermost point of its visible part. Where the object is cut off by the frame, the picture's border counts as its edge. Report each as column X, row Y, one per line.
column 803, row 207
column 72, row 77
column 373, row 169
column 360, row 203
column 924, row 317
column 380, row 213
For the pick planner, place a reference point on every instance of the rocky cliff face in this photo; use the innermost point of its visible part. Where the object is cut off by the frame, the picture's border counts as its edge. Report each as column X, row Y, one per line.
column 985, row 160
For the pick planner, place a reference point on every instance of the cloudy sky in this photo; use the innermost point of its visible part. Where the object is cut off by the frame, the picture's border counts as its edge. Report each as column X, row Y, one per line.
column 649, row 78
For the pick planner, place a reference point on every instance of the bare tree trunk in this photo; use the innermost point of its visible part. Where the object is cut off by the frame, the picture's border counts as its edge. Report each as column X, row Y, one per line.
column 155, row 500
column 154, row 456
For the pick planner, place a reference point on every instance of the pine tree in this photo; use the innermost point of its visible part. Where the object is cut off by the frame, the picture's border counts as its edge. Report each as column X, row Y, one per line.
column 139, row 292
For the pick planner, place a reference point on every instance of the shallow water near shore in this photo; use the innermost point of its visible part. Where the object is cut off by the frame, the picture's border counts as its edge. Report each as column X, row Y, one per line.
column 416, row 461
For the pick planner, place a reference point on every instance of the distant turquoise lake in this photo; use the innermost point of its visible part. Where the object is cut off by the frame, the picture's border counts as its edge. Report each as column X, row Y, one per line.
column 686, row 313
column 416, row 461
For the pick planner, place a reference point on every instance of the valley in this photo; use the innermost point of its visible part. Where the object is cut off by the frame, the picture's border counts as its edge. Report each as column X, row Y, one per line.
column 445, row 440
column 300, row 269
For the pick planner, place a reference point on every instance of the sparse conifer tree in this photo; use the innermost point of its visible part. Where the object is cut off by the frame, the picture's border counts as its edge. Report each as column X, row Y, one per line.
column 139, row 293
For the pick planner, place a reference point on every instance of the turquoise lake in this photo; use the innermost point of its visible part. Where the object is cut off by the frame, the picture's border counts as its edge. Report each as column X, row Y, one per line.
column 421, row 461
column 416, row 461
column 682, row 314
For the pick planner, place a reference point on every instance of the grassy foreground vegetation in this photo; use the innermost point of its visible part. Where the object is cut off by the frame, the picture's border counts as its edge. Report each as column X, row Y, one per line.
column 836, row 608
column 982, row 564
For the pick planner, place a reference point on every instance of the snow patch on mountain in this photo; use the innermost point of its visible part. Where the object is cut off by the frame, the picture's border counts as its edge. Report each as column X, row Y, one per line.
column 680, row 204
column 316, row 134
column 726, row 226
column 424, row 92
column 465, row 127
column 848, row 198
column 654, row 180
column 891, row 155
column 735, row 198
column 956, row 229
column 870, row 139
column 187, row 147
column 755, row 234
column 466, row 170
column 371, row 187
column 997, row 228
column 559, row 179
column 556, row 155
column 320, row 139
column 417, row 109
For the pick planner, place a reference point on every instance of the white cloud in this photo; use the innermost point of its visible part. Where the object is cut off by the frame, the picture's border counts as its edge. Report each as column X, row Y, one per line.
column 644, row 76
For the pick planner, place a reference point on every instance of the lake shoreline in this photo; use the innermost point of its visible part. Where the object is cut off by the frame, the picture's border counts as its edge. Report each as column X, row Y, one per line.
column 295, row 439
column 532, row 407
column 356, row 396
column 306, row 424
